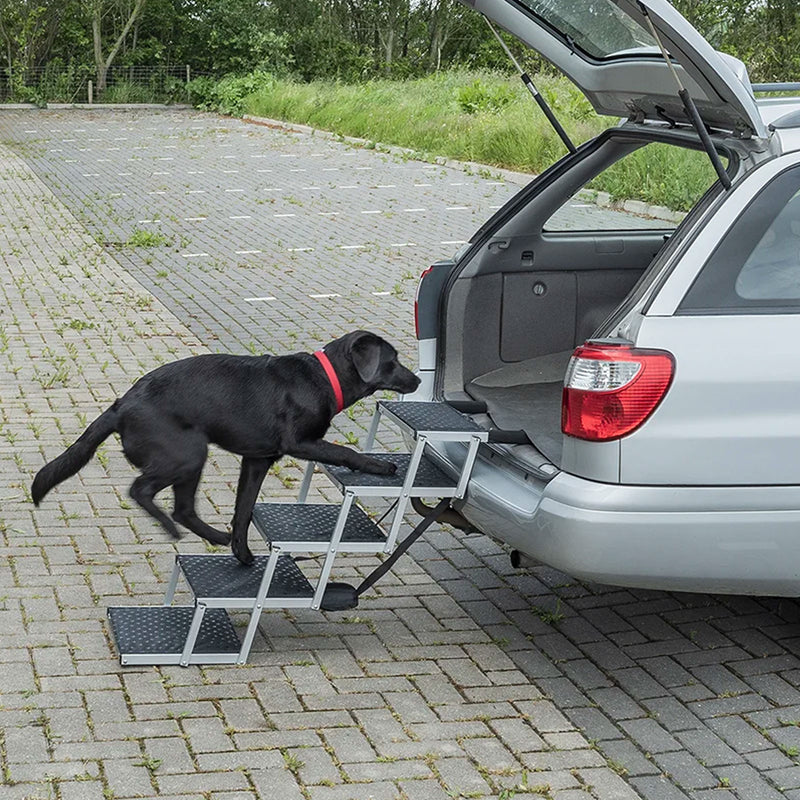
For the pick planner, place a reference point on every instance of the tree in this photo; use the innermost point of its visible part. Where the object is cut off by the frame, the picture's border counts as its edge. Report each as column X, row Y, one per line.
column 100, row 12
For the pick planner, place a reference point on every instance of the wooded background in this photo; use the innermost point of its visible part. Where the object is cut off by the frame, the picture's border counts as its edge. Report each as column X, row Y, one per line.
column 350, row 40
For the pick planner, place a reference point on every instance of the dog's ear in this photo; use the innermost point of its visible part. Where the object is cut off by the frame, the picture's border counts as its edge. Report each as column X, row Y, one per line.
column 366, row 354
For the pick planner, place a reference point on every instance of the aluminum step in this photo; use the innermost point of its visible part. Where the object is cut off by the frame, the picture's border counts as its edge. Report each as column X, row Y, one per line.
column 437, row 421
column 157, row 635
column 221, row 581
column 308, row 527
column 429, row 480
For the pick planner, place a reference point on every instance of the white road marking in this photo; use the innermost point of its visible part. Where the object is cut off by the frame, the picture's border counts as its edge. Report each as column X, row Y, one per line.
column 300, row 249
column 241, row 216
column 247, row 252
column 91, row 174
column 381, row 294
column 457, row 208
column 298, row 169
column 311, row 188
column 372, row 212
column 234, row 191
column 195, row 191
column 194, row 219
column 349, row 186
column 230, row 171
column 402, row 244
column 323, row 296
column 195, row 172
column 157, row 191
column 258, row 299
column 496, row 183
column 386, row 186
column 363, row 167
column 328, row 213
column 454, row 241
column 154, row 173
column 413, row 209
column 330, row 169
column 194, row 255
column 284, row 215
column 352, row 246
column 124, row 174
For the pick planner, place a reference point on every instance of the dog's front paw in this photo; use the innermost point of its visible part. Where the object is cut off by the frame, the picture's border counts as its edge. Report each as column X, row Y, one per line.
column 243, row 553
column 376, row 467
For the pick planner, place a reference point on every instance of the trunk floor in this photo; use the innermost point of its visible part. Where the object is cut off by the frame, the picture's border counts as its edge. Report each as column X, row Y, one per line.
column 534, row 408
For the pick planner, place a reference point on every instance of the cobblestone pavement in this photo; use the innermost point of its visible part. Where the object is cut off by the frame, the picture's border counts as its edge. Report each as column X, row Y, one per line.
column 459, row 676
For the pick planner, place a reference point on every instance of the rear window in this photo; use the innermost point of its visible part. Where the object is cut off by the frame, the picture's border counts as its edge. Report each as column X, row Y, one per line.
column 756, row 267
column 663, row 180
column 599, row 28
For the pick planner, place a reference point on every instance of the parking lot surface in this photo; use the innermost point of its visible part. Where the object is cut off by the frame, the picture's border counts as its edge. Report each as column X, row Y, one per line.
column 129, row 239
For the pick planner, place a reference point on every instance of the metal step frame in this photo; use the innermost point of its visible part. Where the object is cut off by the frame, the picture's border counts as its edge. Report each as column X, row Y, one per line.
column 203, row 633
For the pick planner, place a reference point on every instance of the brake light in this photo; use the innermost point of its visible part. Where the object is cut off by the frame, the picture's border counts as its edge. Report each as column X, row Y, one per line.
column 416, row 301
column 610, row 390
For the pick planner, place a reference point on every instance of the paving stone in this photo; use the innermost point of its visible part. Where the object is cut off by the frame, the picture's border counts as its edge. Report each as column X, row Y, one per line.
column 451, row 643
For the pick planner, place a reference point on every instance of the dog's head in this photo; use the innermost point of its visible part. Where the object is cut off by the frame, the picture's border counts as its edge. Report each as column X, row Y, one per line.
column 373, row 362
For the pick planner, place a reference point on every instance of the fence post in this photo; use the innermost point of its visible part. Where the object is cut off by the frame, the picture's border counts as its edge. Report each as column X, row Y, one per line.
column 90, row 91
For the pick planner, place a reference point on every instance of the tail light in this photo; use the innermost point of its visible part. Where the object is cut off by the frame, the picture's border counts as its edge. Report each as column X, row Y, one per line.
column 610, row 390
column 416, row 300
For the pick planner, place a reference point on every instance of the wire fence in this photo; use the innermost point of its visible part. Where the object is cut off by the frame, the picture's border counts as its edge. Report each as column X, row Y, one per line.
column 77, row 83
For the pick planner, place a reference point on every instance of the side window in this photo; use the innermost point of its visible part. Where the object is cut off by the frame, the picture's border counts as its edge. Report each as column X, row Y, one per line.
column 756, row 266
column 666, row 179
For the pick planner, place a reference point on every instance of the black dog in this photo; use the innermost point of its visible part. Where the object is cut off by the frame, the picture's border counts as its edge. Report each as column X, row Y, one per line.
column 261, row 408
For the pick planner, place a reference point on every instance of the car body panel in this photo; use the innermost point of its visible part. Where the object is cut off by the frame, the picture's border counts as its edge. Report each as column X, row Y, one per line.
column 707, row 539
column 637, row 81
column 731, row 416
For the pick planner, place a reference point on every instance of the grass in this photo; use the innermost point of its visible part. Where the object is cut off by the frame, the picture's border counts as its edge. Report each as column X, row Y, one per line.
column 484, row 117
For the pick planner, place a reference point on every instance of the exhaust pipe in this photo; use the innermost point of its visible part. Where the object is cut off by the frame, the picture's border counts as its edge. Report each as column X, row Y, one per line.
column 521, row 561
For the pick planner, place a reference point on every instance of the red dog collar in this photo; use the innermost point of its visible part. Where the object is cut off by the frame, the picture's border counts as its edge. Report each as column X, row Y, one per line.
column 332, row 377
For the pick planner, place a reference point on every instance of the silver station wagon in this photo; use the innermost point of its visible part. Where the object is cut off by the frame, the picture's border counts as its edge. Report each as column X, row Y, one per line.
column 644, row 376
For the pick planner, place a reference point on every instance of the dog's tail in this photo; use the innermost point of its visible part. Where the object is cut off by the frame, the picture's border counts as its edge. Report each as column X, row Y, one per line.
column 76, row 456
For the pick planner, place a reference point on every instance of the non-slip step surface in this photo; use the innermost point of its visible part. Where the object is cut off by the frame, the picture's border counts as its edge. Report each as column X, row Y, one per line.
column 428, row 475
column 313, row 523
column 431, row 417
column 156, row 630
column 223, row 576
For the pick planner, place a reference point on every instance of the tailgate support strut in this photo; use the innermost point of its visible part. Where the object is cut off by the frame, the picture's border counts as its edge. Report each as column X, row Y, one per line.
column 691, row 108
column 526, row 79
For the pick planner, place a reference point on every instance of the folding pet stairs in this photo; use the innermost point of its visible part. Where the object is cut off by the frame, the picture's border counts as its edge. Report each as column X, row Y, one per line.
column 203, row 633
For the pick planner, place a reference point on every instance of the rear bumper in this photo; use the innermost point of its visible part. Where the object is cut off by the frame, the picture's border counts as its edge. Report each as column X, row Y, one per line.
column 740, row 540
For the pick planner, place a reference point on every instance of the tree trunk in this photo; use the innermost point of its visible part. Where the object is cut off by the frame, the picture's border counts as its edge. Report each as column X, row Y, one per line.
column 103, row 64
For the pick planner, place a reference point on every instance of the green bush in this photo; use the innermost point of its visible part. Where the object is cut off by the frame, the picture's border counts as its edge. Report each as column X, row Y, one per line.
column 228, row 95
column 478, row 97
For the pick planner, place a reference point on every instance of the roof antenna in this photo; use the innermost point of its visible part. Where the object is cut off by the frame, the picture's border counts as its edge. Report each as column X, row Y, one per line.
column 548, row 112
column 690, row 107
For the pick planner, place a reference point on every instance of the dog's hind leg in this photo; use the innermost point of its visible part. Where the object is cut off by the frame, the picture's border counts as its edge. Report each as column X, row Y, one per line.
column 186, row 515
column 143, row 490
column 251, row 476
